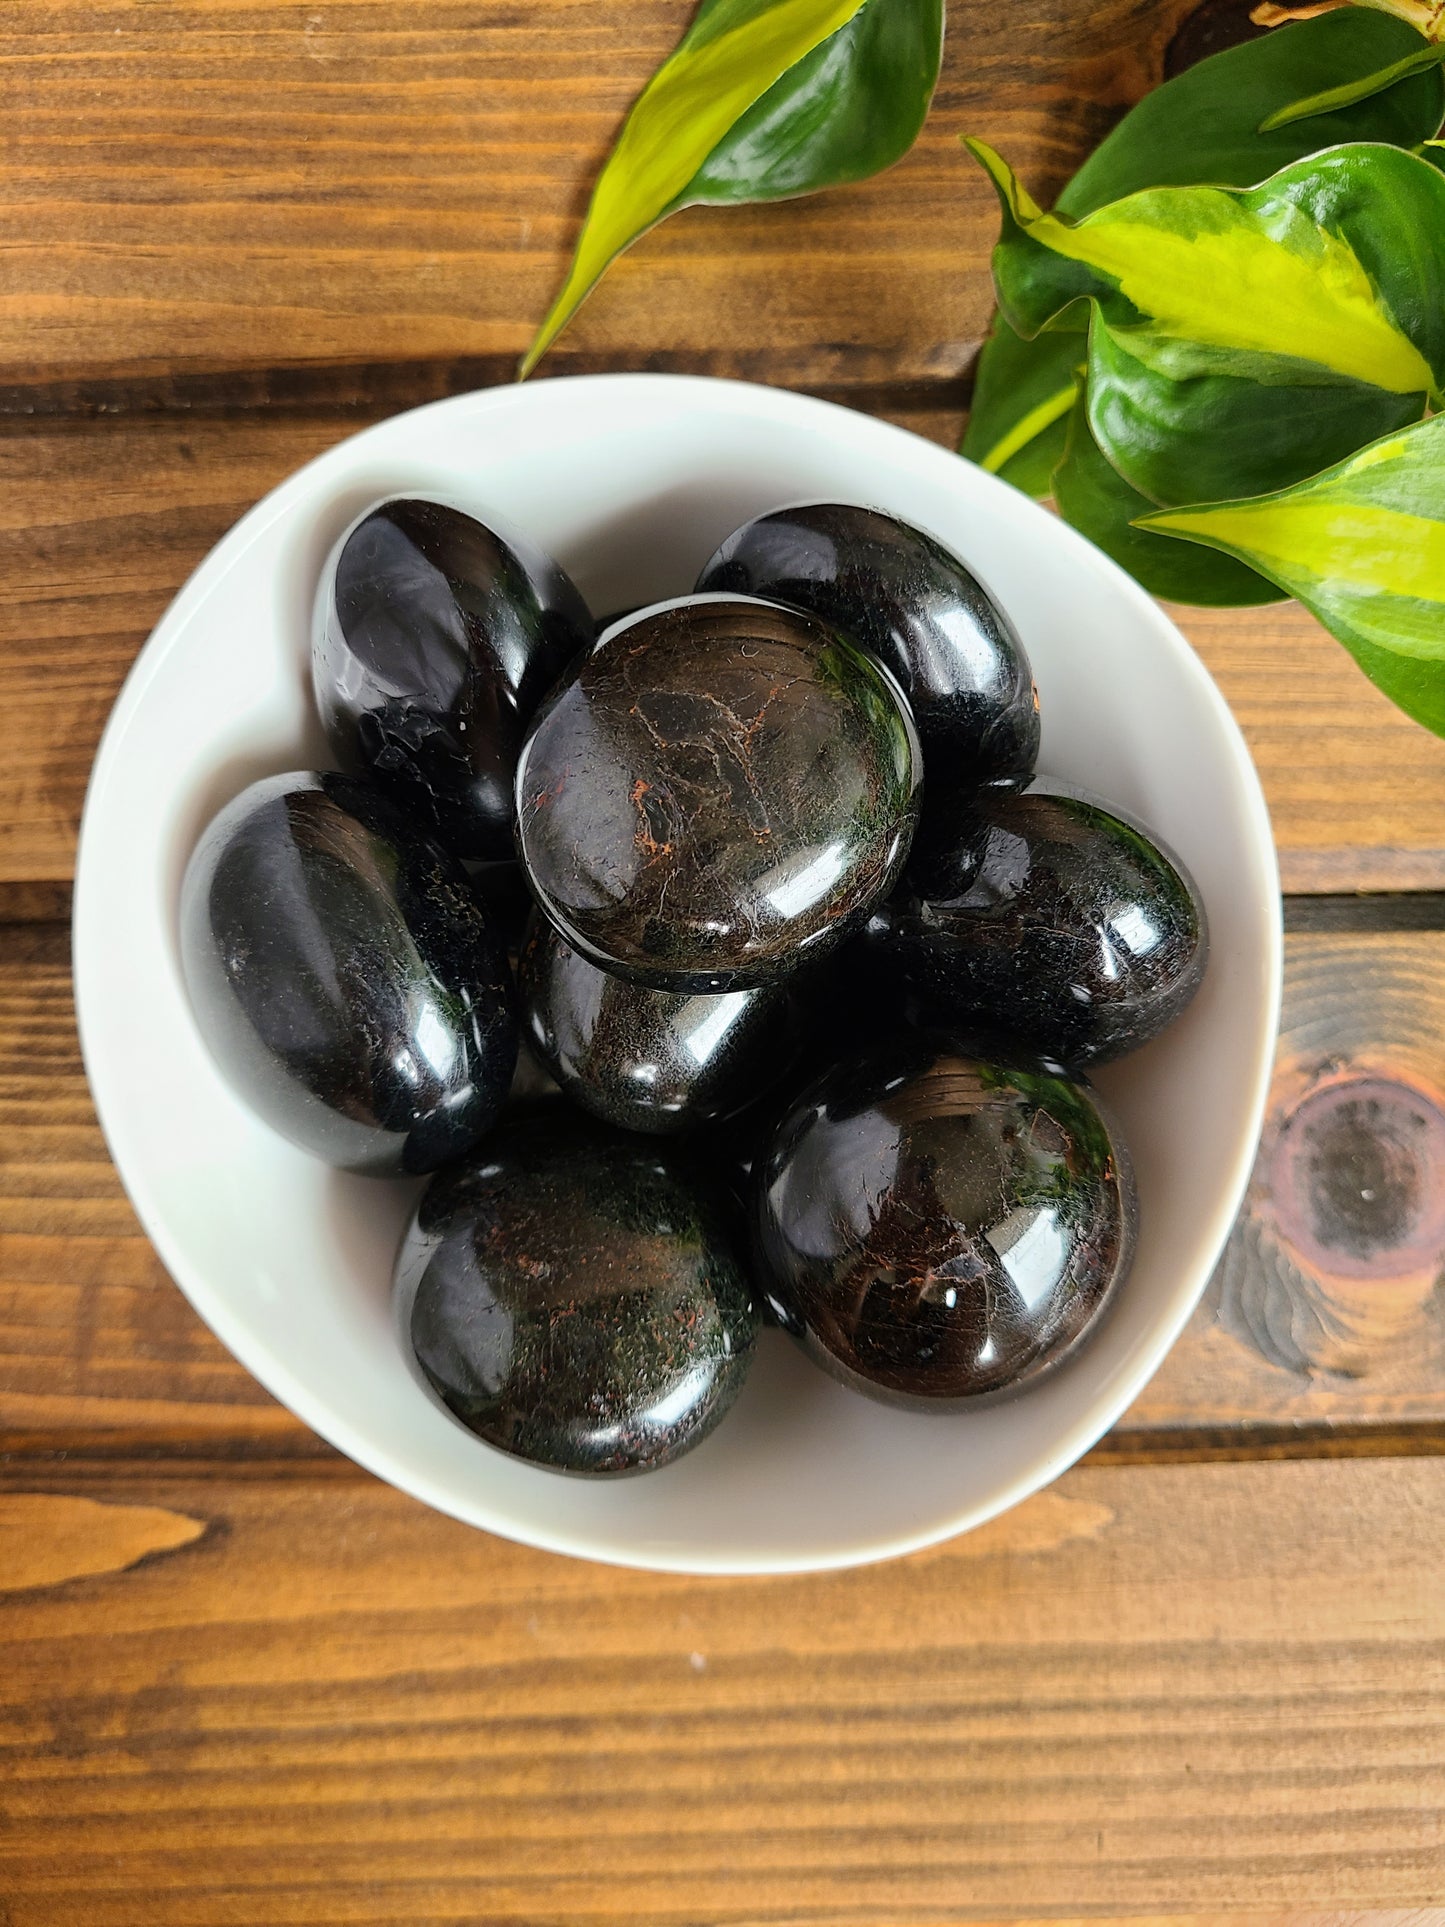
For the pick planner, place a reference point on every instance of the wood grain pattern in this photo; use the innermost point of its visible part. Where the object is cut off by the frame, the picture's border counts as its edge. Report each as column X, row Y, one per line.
column 1356, row 791
column 1325, row 1331
column 96, row 1341
column 1315, row 1917
column 231, row 185
column 246, row 1684
column 99, row 528
column 102, row 521
column 1228, row 1696
column 47, row 1539
column 1328, row 1307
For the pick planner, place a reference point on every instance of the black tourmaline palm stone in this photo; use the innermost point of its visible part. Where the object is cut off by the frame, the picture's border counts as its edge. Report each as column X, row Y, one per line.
column 574, row 1296
column 722, row 791
column 664, row 1061
column 345, row 977
column 435, row 639
column 937, row 1230
column 908, row 601
column 1056, row 921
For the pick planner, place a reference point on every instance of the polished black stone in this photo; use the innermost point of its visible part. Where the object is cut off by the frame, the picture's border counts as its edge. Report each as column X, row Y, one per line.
column 936, row 1229
column 575, row 1297
column 435, row 639
column 506, row 899
column 650, row 1060
column 913, row 605
column 722, row 791
column 1065, row 926
column 344, row 975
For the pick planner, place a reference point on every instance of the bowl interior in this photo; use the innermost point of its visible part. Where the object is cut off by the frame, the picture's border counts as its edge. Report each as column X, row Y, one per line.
column 632, row 481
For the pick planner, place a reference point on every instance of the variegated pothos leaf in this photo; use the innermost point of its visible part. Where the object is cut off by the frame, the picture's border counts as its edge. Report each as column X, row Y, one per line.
column 1231, row 120
column 1363, row 546
column 1243, row 339
column 762, row 99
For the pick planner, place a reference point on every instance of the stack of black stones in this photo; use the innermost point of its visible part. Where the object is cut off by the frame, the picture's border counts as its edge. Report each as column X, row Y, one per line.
column 801, row 1033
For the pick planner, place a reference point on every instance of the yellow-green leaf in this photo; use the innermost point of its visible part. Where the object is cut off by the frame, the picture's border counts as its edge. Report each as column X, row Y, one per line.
column 1243, row 275
column 1023, row 395
column 1363, row 546
column 763, row 99
column 1205, row 128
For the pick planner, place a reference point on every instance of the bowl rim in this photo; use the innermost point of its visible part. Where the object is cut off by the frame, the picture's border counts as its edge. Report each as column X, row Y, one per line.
column 270, row 1366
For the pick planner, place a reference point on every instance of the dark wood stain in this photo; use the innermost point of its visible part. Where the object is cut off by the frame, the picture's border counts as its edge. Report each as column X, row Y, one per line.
column 1210, row 29
column 1358, row 1176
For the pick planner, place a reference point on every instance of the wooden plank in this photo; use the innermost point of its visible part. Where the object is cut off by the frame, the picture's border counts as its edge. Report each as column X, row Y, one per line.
column 95, row 1340
column 1327, row 1309
column 1356, row 791
column 1325, row 1329
column 1193, row 1690
column 101, row 522
column 99, row 527
column 236, row 185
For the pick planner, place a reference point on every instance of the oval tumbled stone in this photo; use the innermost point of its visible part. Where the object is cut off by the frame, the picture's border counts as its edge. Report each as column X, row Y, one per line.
column 1053, row 919
column 435, row 638
column 664, row 1061
column 575, row 1298
column 345, row 976
column 937, row 1229
column 914, row 605
column 723, row 789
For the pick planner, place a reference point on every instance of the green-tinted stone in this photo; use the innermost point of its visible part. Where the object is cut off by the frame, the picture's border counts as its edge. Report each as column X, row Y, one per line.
column 575, row 1297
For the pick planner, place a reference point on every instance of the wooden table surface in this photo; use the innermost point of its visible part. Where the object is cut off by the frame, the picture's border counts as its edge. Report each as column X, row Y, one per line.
column 1202, row 1678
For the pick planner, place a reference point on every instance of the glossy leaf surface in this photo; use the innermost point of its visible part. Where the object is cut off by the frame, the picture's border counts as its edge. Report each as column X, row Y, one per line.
column 1201, row 437
column 1329, row 275
column 1095, row 498
column 1023, row 395
column 1363, row 546
column 1331, row 99
column 1204, row 126
column 761, row 100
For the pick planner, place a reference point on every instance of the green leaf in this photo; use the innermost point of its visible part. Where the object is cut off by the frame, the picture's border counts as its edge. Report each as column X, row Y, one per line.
column 1363, row 546
column 1350, row 92
column 1094, row 497
column 763, row 99
column 1224, row 315
column 1204, row 127
column 1023, row 395
column 852, row 107
column 1182, row 436
column 1241, row 278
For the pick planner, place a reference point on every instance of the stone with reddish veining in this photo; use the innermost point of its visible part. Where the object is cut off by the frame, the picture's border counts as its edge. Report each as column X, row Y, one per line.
column 722, row 791
column 936, row 1228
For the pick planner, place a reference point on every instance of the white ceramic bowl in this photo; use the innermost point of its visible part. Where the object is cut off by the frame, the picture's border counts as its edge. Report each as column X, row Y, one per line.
column 631, row 481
